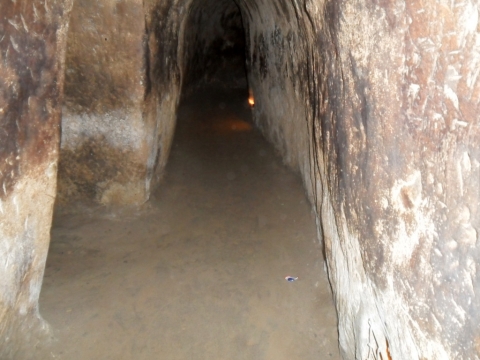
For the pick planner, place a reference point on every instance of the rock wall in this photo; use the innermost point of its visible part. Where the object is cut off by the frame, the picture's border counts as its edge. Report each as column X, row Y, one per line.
column 32, row 45
column 278, row 65
column 165, row 24
column 105, row 139
column 397, row 146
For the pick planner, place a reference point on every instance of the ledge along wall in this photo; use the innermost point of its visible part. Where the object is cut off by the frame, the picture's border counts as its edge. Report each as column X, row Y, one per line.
column 375, row 103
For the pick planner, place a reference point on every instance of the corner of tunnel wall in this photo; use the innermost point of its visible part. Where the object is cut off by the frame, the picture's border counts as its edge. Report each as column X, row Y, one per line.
column 107, row 127
column 25, row 235
column 163, row 137
column 30, row 107
column 167, row 66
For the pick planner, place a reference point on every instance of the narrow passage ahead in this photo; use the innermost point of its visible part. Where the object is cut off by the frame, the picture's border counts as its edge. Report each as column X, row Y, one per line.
column 198, row 272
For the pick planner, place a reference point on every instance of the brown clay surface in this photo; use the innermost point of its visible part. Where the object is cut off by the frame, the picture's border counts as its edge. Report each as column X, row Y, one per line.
column 198, row 272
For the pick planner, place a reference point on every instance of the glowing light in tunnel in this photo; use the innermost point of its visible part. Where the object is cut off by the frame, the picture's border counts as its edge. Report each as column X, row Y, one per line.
column 251, row 99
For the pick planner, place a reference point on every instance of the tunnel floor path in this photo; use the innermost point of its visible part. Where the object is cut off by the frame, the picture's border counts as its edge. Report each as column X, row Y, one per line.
column 198, row 272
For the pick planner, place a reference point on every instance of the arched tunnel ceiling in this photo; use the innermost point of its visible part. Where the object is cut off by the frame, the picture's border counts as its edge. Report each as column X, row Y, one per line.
column 214, row 43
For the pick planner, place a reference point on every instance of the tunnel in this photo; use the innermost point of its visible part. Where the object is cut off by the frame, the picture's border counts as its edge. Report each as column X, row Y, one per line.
column 336, row 217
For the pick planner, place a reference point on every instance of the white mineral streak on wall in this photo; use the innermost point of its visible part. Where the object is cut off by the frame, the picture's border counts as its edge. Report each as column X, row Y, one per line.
column 121, row 128
column 413, row 91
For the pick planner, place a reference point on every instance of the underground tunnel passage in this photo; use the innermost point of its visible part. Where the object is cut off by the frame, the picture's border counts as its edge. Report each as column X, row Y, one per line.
column 199, row 273
column 374, row 104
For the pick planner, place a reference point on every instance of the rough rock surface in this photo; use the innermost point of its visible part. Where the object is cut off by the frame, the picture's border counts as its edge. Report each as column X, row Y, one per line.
column 396, row 131
column 32, row 44
column 375, row 103
column 105, row 140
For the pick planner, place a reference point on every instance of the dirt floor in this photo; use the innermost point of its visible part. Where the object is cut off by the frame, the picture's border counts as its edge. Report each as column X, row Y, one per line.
column 199, row 271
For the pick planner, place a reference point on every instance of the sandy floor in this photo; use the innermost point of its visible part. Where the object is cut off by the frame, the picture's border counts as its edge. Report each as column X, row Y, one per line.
column 198, row 272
